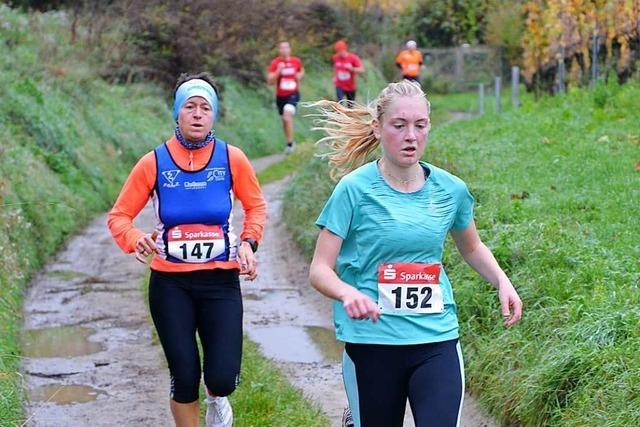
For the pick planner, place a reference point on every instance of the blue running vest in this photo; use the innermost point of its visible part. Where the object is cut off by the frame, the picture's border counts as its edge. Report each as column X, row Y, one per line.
column 195, row 207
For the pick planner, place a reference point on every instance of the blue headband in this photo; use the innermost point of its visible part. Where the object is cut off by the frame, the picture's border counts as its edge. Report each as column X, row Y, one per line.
column 195, row 87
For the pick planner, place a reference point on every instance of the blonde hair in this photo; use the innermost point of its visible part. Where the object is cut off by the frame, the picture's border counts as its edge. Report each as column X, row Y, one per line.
column 348, row 128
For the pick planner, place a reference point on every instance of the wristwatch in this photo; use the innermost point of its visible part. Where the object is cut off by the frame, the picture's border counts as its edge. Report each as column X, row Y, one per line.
column 253, row 243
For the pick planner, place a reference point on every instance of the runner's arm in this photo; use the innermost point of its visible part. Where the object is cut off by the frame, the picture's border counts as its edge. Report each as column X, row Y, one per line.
column 300, row 74
column 133, row 197
column 323, row 278
column 247, row 189
column 357, row 66
column 399, row 61
column 272, row 77
column 479, row 257
column 273, row 71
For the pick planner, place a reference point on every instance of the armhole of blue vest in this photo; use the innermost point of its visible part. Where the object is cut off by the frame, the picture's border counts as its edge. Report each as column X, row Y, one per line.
column 156, row 187
column 229, row 164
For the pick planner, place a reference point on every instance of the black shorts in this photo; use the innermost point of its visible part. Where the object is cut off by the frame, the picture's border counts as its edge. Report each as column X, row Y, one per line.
column 292, row 99
column 412, row 79
column 206, row 302
column 380, row 378
column 342, row 94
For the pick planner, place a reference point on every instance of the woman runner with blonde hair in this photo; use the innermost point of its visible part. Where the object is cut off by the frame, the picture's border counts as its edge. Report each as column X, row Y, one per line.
column 379, row 255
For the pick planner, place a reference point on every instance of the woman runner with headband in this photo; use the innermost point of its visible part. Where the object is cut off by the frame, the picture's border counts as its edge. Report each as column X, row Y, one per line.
column 193, row 179
column 379, row 255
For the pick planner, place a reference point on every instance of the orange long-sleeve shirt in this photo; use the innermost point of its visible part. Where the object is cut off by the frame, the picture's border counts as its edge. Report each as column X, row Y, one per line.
column 139, row 187
column 410, row 62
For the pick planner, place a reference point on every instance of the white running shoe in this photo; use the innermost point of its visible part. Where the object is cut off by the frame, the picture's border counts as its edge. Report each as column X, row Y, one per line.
column 347, row 418
column 219, row 413
column 290, row 148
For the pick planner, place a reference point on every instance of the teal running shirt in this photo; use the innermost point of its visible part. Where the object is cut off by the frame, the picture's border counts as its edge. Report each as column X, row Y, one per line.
column 380, row 225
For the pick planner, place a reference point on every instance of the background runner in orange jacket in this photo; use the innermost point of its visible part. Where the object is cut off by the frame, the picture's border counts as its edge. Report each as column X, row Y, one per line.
column 345, row 67
column 410, row 62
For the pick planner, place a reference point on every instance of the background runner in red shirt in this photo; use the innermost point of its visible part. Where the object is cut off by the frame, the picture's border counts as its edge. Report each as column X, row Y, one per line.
column 286, row 71
column 345, row 67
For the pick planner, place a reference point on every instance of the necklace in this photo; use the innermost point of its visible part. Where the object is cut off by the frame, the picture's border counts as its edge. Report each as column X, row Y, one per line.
column 402, row 181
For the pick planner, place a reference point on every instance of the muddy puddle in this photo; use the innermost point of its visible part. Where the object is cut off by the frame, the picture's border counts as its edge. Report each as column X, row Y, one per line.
column 303, row 344
column 64, row 394
column 62, row 341
column 325, row 340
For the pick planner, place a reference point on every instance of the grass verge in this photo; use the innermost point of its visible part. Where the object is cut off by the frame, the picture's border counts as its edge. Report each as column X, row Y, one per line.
column 557, row 188
column 289, row 165
column 66, row 144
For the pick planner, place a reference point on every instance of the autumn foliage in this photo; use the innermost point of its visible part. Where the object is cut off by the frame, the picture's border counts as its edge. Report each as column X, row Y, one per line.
column 563, row 30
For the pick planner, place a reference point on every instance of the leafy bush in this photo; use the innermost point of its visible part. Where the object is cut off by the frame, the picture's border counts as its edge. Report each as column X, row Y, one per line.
column 442, row 23
column 563, row 31
column 185, row 36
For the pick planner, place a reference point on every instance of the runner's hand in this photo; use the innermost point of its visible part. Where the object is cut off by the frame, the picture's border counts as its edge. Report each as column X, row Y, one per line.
column 509, row 299
column 247, row 261
column 280, row 67
column 360, row 306
column 145, row 246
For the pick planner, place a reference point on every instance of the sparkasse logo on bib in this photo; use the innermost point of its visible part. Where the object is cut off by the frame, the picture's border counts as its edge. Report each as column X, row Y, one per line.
column 176, row 233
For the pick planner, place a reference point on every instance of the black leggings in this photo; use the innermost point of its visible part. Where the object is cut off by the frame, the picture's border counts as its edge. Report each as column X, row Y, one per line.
column 379, row 379
column 209, row 302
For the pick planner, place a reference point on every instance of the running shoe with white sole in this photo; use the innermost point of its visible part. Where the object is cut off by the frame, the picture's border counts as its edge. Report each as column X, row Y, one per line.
column 347, row 418
column 290, row 148
column 219, row 412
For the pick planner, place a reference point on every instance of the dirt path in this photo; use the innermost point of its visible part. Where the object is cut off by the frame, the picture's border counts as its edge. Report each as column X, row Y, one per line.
column 89, row 356
column 292, row 323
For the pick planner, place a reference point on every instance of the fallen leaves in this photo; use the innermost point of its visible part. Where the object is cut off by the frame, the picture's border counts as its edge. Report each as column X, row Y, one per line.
column 520, row 196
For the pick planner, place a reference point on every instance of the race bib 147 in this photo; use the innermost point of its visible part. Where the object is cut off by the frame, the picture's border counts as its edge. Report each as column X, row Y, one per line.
column 196, row 243
column 410, row 288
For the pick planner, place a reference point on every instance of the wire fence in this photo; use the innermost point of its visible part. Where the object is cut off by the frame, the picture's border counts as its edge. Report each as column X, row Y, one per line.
column 462, row 68
column 483, row 69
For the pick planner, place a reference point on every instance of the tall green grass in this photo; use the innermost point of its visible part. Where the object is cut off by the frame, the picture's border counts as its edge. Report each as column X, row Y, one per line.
column 66, row 144
column 557, row 192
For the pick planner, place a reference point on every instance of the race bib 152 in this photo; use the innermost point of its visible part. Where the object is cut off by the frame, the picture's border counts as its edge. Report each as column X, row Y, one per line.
column 410, row 288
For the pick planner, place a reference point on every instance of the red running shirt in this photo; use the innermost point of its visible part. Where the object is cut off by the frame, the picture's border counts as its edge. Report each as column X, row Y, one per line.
column 342, row 77
column 287, row 83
